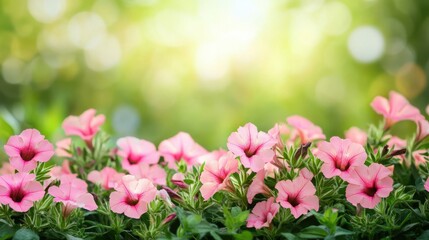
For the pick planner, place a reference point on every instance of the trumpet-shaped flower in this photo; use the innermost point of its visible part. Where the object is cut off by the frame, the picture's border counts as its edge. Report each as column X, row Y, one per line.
column 356, row 135
column 257, row 186
column 395, row 109
column 340, row 156
column 132, row 196
column 215, row 176
column 181, row 147
column 73, row 193
column 63, row 147
column 262, row 214
column 298, row 195
column 367, row 185
column 28, row 148
column 304, row 129
column 107, row 177
column 134, row 151
column 20, row 190
column 85, row 126
column 152, row 172
column 254, row 148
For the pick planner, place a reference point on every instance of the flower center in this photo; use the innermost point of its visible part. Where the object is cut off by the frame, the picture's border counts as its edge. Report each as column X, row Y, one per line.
column 293, row 201
column 17, row 195
column 133, row 159
column 131, row 201
column 371, row 191
column 342, row 166
column 27, row 154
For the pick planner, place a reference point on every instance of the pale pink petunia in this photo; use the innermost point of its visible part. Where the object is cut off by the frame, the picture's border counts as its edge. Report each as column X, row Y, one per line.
column 396, row 143
column 422, row 129
column 254, row 148
column 154, row 172
column 427, row 185
column 279, row 130
column 6, row 168
column 215, row 176
column 419, row 157
column 356, row 135
column 367, row 185
column 107, row 177
column 298, row 195
column 263, row 214
column 58, row 172
column 73, row 193
column 134, row 151
column 213, row 155
column 28, row 148
column 63, row 147
column 395, row 109
column 20, row 190
column 257, row 187
column 304, row 129
column 85, row 126
column 163, row 194
column 181, row 147
column 132, row 196
column 340, row 156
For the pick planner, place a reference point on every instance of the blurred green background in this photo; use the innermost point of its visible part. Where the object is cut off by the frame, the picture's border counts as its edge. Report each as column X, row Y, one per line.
column 156, row 67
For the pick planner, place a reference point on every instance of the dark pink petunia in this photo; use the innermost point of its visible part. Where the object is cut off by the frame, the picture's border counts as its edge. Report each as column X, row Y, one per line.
column 298, row 195
column 340, row 156
column 181, row 147
column 254, row 148
column 262, row 214
column 20, row 190
column 28, row 148
column 395, row 109
column 367, row 185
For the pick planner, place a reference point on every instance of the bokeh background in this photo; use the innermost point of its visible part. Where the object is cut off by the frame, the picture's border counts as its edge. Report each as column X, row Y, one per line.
column 156, row 67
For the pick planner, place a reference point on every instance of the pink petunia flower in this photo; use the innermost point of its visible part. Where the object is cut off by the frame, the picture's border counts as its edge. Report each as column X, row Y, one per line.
column 73, row 193
column 152, row 172
column 132, row 196
column 134, row 151
column 254, row 148
column 340, row 156
column 427, row 185
column 59, row 172
column 298, row 195
column 367, row 185
column 215, row 176
column 28, row 148
column 262, row 214
column 181, row 147
column 85, row 126
column 304, row 129
column 419, row 157
column 178, row 179
column 395, row 109
column 213, row 155
column 422, row 130
column 279, row 130
column 63, row 147
column 257, row 186
column 20, row 190
column 107, row 177
column 356, row 135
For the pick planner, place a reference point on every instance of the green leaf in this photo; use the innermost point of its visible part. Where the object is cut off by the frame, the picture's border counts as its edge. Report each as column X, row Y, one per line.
column 70, row 237
column 245, row 235
column 290, row 236
column 234, row 219
column 339, row 231
column 25, row 234
column 193, row 220
column 313, row 232
column 6, row 231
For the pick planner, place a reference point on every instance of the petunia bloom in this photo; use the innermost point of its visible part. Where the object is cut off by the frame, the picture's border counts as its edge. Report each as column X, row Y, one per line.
column 340, row 156
column 304, row 129
column 298, row 195
column 154, row 172
column 107, row 177
column 395, row 109
column 254, row 148
column 85, row 126
column 215, row 176
column 20, row 190
column 257, row 187
column 134, row 151
column 262, row 214
column 59, row 172
column 132, row 196
column 63, row 147
column 367, row 185
column 73, row 193
column 181, row 147
column 356, row 135
column 28, row 148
